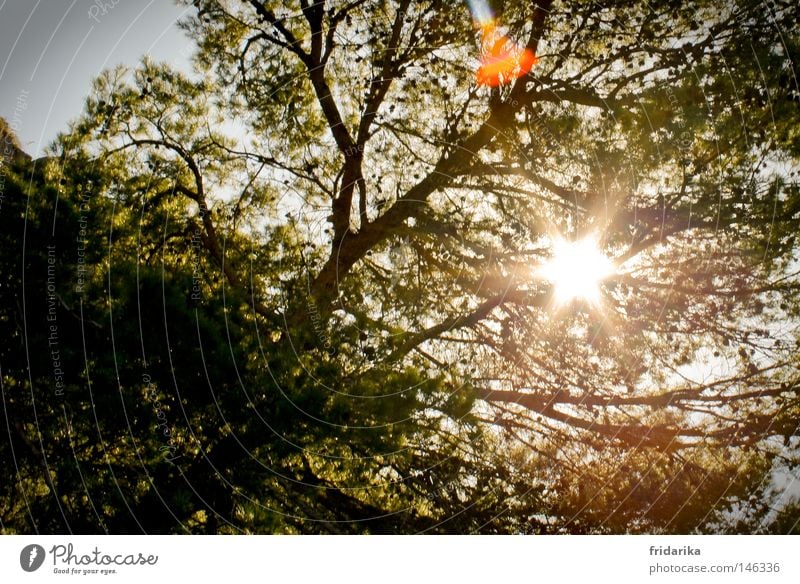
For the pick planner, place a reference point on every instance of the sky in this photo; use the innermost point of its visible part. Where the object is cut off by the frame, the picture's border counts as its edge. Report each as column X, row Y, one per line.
column 50, row 50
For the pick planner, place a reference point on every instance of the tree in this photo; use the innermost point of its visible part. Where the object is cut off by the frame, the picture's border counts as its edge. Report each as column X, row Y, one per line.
column 348, row 330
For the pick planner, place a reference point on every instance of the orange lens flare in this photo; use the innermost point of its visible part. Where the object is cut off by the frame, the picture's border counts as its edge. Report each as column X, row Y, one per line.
column 502, row 60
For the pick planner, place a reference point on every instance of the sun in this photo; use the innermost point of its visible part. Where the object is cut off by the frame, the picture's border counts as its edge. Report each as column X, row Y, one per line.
column 576, row 270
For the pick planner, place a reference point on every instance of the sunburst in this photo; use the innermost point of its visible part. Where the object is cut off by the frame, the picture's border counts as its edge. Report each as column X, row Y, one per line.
column 576, row 270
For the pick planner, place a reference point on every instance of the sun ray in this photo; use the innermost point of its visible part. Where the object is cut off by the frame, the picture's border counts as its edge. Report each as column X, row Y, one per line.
column 576, row 270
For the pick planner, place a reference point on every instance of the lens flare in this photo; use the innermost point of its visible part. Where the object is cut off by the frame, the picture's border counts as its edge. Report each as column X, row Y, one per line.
column 480, row 11
column 502, row 60
column 576, row 270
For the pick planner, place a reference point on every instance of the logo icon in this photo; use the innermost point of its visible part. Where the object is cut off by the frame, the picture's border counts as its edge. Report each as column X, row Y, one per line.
column 31, row 557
